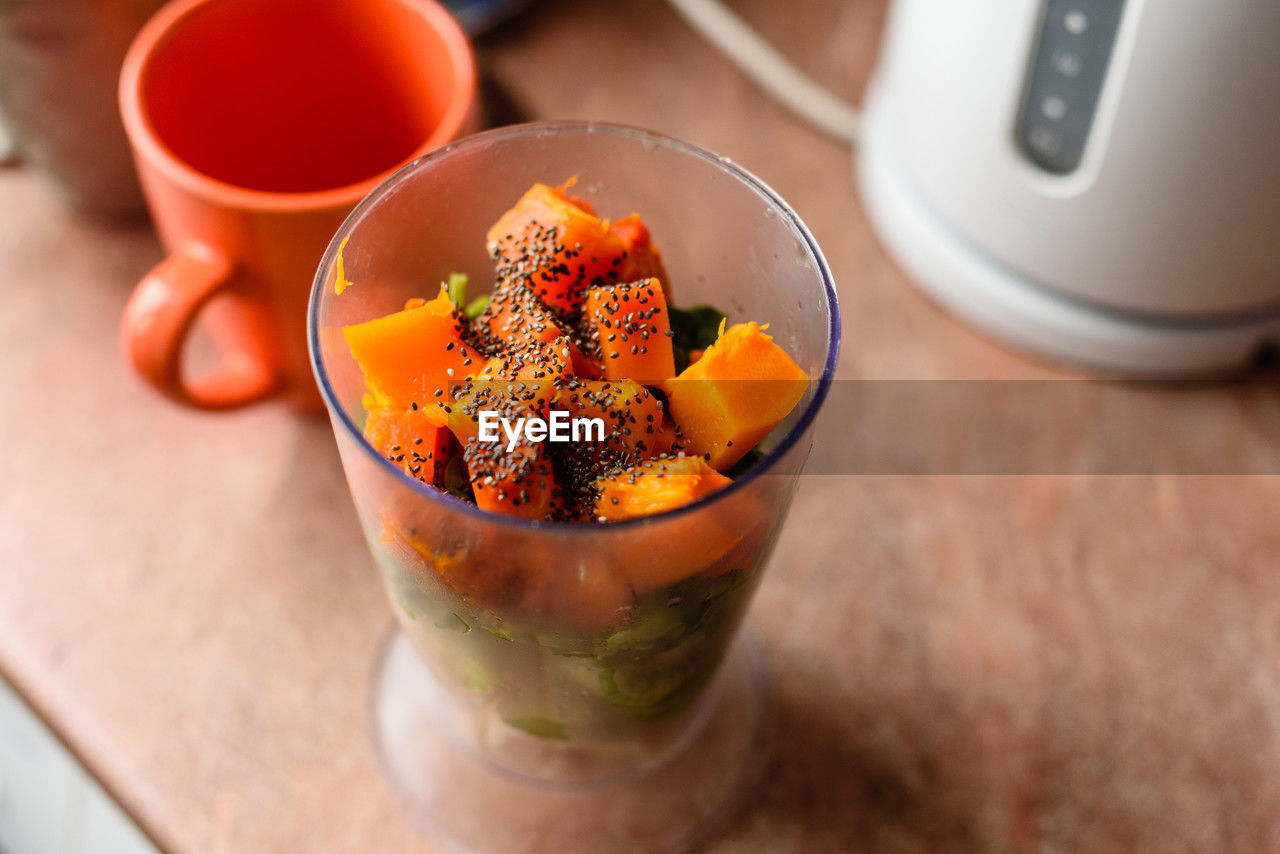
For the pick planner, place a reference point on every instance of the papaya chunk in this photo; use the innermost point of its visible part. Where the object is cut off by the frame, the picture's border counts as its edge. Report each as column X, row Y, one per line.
column 583, row 365
column 631, row 325
column 412, row 440
column 516, row 482
column 667, row 440
column 407, row 356
column 515, row 316
column 508, row 398
column 655, row 486
column 641, row 258
column 731, row 397
column 558, row 247
column 537, row 360
column 632, row 415
column 555, row 244
column 651, row 559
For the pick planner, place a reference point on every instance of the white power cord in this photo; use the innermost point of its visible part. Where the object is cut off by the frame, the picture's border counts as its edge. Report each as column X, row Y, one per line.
column 759, row 61
column 8, row 145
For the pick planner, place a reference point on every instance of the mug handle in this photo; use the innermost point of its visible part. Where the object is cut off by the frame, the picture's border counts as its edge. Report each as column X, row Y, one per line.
column 161, row 313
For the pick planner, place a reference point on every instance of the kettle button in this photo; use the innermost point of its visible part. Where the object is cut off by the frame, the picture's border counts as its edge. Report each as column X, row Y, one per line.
column 1076, row 22
column 1044, row 142
column 1053, row 107
column 1066, row 63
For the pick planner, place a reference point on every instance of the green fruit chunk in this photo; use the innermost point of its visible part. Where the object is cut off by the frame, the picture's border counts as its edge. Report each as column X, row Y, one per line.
column 645, row 633
column 540, row 727
column 660, row 683
column 453, row 622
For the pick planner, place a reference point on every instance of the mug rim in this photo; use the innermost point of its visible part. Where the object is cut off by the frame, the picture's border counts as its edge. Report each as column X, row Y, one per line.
column 339, row 415
column 148, row 145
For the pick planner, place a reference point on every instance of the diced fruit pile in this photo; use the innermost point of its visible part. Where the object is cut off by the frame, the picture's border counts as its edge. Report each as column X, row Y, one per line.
column 579, row 321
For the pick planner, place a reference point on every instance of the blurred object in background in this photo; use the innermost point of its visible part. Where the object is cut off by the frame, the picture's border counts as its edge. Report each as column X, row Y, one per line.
column 771, row 70
column 59, row 62
column 1091, row 180
column 8, row 145
column 476, row 16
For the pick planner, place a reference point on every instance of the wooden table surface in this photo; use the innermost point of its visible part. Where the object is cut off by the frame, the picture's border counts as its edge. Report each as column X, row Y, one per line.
column 957, row 662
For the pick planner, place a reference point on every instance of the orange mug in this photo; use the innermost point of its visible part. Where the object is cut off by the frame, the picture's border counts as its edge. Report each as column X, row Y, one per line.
column 256, row 126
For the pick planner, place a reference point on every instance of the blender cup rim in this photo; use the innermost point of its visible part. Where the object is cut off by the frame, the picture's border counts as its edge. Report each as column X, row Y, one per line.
column 548, row 128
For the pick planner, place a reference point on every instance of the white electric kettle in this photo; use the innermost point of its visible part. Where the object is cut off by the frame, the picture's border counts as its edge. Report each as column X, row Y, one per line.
column 1093, row 180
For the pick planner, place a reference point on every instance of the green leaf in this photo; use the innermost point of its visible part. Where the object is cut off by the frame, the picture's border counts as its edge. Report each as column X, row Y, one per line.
column 497, row 633
column 456, row 481
column 646, row 632
column 457, row 288
column 692, row 329
column 476, row 307
column 659, row 684
column 540, row 727
column 454, row 622
column 406, row 607
column 480, row 682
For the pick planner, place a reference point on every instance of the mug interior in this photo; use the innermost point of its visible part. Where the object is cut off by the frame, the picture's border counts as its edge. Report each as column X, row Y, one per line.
column 299, row 95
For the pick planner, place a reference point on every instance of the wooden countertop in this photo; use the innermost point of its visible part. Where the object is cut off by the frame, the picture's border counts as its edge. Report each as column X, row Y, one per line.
column 957, row 663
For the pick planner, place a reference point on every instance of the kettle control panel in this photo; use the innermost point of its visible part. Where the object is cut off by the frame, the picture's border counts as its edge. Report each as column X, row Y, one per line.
column 1064, row 80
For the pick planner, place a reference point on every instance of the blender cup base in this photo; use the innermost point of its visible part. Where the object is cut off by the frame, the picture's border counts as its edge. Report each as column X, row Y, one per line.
column 466, row 805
